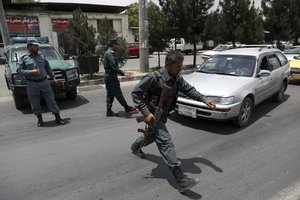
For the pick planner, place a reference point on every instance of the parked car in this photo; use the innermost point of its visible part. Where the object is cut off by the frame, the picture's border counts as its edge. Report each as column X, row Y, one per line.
column 291, row 53
column 134, row 49
column 222, row 47
column 65, row 72
column 237, row 80
column 183, row 46
column 295, row 68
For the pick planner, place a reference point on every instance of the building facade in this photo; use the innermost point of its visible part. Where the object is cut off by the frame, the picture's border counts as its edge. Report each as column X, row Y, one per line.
column 52, row 19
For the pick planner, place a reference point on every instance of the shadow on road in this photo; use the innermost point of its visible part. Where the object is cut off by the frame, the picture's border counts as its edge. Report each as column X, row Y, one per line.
column 161, row 171
column 62, row 102
column 226, row 127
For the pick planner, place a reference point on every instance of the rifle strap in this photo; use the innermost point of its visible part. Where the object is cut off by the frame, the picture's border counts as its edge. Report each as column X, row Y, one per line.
column 160, row 79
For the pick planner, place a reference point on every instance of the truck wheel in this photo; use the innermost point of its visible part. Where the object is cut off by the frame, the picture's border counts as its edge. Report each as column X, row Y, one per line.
column 72, row 94
column 19, row 101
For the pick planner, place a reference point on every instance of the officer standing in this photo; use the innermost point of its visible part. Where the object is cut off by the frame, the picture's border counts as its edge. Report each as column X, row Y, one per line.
column 150, row 88
column 112, row 82
column 35, row 67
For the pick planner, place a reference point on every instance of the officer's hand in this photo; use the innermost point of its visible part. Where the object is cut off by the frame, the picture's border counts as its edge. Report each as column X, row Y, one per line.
column 36, row 72
column 149, row 119
column 210, row 103
column 55, row 82
column 127, row 74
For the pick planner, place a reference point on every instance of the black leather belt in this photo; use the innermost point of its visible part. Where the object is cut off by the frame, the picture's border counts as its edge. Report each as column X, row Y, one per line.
column 36, row 80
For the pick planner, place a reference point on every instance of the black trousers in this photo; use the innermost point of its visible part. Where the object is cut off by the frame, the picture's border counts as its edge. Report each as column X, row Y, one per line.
column 113, row 90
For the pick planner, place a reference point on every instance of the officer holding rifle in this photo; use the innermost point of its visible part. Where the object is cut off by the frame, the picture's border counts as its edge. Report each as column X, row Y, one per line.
column 148, row 92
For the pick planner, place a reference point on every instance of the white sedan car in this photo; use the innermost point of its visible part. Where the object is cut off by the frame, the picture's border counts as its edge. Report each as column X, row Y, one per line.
column 237, row 80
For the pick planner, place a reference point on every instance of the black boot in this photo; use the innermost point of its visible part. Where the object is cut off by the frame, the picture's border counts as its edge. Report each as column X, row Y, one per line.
column 110, row 113
column 136, row 150
column 183, row 182
column 58, row 119
column 40, row 122
column 130, row 109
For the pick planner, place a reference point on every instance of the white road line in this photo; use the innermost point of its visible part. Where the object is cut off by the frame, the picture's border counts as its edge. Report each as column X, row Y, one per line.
column 292, row 192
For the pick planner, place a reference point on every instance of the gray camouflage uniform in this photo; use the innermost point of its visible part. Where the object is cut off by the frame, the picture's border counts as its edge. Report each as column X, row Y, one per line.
column 148, row 86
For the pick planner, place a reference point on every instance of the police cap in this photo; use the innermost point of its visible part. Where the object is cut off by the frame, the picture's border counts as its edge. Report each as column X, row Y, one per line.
column 32, row 41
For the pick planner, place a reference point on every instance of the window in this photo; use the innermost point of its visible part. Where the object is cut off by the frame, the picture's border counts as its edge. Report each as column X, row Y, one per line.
column 274, row 62
column 282, row 58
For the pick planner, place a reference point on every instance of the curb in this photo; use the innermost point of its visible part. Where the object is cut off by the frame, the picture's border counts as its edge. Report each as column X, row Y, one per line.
column 86, row 85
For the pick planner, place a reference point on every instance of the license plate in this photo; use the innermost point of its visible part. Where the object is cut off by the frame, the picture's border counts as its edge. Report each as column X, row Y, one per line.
column 187, row 111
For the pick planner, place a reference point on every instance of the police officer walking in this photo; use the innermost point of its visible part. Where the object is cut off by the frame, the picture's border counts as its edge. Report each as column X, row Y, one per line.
column 150, row 88
column 112, row 82
column 35, row 67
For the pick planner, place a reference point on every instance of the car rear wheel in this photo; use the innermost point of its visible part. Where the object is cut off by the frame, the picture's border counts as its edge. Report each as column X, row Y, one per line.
column 278, row 96
column 19, row 101
column 245, row 113
column 72, row 94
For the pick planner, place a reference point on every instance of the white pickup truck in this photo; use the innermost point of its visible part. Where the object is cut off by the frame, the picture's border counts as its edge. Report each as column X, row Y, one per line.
column 184, row 47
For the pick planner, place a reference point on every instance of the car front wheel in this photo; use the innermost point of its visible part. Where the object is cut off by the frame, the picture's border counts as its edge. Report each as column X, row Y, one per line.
column 245, row 113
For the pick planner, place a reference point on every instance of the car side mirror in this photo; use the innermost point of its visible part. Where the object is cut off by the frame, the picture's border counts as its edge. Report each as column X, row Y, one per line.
column 264, row 73
column 3, row 61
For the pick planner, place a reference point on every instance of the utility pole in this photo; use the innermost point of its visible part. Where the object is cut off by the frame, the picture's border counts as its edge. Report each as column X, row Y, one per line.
column 143, row 36
column 3, row 26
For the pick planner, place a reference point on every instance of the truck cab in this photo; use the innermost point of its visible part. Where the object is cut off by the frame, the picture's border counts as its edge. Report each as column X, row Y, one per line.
column 65, row 72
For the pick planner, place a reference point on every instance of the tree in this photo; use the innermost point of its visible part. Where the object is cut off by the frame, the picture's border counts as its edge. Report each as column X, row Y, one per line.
column 105, row 33
column 133, row 15
column 240, row 21
column 158, row 36
column 251, row 31
column 277, row 18
column 83, row 36
column 187, row 18
column 212, row 29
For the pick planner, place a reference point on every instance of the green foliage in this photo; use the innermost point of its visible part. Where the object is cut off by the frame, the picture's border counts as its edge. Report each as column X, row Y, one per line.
column 212, row 29
column 158, row 32
column 240, row 22
column 279, row 15
column 133, row 15
column 82, row 34
column 105, row 33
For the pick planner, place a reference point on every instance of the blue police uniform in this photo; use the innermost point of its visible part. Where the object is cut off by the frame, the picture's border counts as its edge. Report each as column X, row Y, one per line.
column 112, row 82
column 37, row 85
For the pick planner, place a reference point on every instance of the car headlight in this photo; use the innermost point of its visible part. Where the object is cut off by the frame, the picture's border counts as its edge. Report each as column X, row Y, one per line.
column 222, row 100
column 71, row 72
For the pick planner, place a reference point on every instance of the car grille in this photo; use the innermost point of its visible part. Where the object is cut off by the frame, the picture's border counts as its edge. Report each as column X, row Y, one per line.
column 59, row 75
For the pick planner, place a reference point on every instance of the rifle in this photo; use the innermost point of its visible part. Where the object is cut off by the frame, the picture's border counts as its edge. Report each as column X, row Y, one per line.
column 149, row 128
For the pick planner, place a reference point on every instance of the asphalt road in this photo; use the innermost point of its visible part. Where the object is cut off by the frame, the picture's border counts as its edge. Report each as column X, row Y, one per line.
column 89, row 157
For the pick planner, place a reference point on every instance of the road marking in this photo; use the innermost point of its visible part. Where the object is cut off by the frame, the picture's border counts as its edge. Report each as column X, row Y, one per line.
column 292, row 192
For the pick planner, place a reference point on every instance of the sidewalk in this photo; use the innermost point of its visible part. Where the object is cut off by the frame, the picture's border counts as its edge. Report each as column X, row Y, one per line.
column 97, row 82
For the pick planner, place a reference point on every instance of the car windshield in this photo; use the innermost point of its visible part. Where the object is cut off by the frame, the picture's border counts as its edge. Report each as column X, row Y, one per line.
column 231, row 65
column 49, row 52
column 292, row 51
